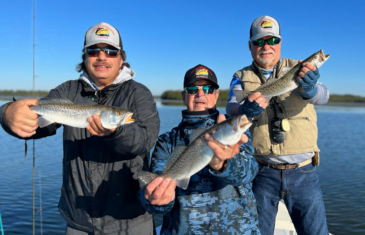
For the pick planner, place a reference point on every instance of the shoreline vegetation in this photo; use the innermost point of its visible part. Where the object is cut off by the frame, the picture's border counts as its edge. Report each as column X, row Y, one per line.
column 173, row 97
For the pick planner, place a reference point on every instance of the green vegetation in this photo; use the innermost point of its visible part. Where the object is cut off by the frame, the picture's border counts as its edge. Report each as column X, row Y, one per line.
column 176, row 95
column 346, row 98
column 16, row 93
column 223, row 97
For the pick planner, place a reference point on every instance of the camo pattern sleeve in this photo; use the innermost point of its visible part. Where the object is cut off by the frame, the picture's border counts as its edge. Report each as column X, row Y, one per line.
column 159, row 157
column 242, row 168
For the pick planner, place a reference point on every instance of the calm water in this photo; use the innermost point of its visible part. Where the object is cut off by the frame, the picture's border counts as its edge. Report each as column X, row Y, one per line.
column 341, row 173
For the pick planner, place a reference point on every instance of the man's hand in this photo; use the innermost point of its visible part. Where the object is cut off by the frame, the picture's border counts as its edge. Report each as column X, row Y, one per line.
column 21, row 119
column 160, row 191
column 223, row 152
column 254, row 105
column 308, row 77
column 96, row 128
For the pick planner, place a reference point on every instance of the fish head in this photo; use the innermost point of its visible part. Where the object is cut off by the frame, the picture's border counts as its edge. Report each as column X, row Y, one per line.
column 116, row 117
column 232, row 129
column 319, row 58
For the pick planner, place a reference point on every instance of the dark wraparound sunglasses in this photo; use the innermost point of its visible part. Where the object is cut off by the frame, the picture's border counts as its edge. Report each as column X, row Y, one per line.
column 109, row 52
column 271, row 41
column 192, row 90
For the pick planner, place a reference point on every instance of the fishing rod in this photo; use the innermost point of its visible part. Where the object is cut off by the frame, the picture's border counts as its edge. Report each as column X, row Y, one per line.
column 40, row 201
column 1, row 225
column 33, row 94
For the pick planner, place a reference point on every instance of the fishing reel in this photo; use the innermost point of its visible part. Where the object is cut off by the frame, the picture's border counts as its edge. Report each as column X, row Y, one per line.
column 277, row 132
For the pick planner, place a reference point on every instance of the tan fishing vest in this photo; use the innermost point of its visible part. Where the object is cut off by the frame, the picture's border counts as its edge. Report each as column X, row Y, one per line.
column 302, row 118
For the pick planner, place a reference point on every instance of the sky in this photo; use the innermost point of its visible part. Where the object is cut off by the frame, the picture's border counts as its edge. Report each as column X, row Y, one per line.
column 165, row 38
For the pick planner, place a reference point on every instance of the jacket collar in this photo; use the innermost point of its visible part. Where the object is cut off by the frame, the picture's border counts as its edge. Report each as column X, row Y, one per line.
column 125, row 74
column 193, row 119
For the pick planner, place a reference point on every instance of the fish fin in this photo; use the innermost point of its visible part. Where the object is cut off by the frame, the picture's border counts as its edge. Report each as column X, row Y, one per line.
column 179, row 149
column 195, row 133
column 267, row 83
column 54, row 101
column 86, row 101
column 43, row 121
column 241, row 95
column 144, row 178
column 183, row 183
column 285, row 70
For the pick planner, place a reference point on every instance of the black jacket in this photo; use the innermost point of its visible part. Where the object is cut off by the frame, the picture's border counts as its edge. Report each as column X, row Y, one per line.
column 99, row 193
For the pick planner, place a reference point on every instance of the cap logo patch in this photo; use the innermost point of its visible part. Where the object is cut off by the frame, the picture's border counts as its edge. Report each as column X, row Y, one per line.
column 102, row 32
column 266, row 24
column 201, row 73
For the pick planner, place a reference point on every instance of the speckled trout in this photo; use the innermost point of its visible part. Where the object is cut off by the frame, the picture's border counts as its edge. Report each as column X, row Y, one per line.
column 65, row 112
column 185, row 161
column 286, row 83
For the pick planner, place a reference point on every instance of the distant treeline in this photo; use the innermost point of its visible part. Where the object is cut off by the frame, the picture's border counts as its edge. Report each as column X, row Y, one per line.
column 176, row 95
column 37, row 93
column 346, row 98
column 223, row 96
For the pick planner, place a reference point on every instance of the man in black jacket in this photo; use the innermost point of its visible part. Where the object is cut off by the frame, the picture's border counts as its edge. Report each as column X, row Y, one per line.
column 99, row 194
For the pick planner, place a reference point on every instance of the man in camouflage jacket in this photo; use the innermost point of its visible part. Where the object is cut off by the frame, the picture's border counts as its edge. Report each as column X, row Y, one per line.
column 219, row 199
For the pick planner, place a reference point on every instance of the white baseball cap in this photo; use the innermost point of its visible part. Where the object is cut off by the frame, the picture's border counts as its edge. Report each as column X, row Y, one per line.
column 264, row 26
column 103, row 33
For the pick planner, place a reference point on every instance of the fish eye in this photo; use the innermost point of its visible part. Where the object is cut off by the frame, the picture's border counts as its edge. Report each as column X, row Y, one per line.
column 119, row 112
column 231, row 122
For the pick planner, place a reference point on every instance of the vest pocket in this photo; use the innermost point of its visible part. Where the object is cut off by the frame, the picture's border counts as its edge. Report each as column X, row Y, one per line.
column 302, row 136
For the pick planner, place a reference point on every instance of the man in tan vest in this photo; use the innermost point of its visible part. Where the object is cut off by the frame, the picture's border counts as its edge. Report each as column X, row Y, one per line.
column 284, row 133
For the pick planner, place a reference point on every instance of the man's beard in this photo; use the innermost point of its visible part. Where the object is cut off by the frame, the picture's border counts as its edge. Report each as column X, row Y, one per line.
column 265, row 61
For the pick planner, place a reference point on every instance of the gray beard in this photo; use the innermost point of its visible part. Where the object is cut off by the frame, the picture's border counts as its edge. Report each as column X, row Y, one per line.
column 262, row 61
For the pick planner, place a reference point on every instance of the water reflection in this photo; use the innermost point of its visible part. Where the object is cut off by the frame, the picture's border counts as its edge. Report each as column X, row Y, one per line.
column 341, row 173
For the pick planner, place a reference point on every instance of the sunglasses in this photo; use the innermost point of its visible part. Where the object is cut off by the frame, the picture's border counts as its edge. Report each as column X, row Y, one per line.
column 109, row 52
column 271, row 41
column 192, row 90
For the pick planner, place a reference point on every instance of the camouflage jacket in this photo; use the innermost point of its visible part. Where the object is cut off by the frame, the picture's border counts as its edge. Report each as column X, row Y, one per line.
column 214, row 202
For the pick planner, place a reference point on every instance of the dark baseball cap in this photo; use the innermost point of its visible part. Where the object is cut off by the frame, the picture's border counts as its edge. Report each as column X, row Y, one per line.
column 200, row 72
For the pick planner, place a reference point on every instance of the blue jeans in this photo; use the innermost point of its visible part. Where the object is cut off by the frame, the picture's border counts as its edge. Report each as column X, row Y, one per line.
column 300, row 190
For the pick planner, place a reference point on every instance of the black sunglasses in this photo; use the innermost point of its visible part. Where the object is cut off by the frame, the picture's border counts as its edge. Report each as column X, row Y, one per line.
column 271, row 41
column 192, row 90
column 109, row 52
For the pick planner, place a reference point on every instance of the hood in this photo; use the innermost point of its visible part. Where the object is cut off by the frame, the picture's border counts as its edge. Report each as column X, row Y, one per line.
column 125, row 74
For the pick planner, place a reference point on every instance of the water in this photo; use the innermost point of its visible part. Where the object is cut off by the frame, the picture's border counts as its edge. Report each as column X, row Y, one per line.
column 341, row 173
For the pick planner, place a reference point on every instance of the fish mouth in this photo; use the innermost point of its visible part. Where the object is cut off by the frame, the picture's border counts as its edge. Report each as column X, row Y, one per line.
column 127, row 119
column 323, row 56
column 245, row 121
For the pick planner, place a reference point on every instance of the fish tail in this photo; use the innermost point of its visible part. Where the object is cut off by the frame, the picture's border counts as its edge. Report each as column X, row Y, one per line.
column 241, row 95
column 144, row 178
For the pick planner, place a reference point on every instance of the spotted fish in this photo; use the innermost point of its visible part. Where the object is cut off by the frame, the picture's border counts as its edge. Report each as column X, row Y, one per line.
column 65, row 112
column 286, row 83
column 185, row 161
